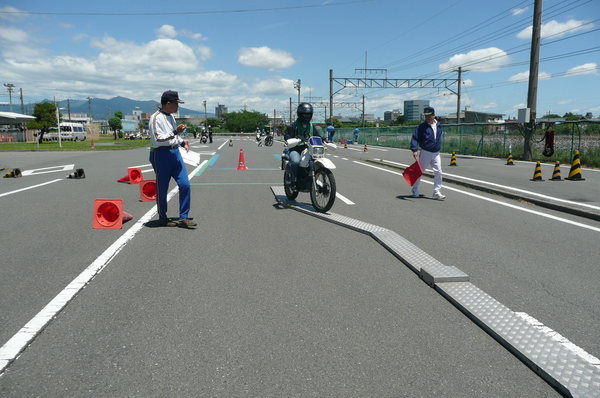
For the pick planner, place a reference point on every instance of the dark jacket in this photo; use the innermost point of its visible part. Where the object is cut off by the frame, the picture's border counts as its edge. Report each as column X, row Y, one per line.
column 424, row 137
column 292, row 132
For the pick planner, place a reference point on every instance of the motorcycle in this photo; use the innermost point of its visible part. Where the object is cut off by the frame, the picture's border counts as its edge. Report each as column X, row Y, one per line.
column 204, row 137
column 269, row 140
column 314, row 174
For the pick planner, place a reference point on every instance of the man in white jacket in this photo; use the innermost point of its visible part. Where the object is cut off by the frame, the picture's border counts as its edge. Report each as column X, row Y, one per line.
column 167, row 161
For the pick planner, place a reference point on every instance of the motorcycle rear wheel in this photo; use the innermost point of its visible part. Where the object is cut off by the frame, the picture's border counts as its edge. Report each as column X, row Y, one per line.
column 323, row 195
column 268, row 141
column 291, row 192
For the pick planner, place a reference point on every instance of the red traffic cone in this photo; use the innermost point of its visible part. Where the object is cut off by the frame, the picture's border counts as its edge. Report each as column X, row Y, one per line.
column 125, row 178
column 135, row 175
column 242, row 161
column 148, row 191
column 109, row 214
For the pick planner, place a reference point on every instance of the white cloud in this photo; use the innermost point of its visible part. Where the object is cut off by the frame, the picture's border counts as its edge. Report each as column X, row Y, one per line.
column 204, row 52
column 14, row 35
column 556, row 29
column 467, row 83
column 166, row 32
column 566, row 102
column 483, row 60
column 275, row 86
column 265, row 57
column 590, row 68
column 13, row 14
column 524, row 76
column 519, row 11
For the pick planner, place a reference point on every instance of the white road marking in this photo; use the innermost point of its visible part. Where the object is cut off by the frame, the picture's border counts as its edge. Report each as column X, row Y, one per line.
column 45, row 170
column 505, row 186
column 344, row 158
column 140, row 166
column 344, row 199
column 31, row 187
column 564, row 220
column 223, row 144
column 13, row 347
column 592, row 360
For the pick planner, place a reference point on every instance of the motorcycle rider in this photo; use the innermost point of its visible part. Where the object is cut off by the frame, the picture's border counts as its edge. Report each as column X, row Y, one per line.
column 303, row 130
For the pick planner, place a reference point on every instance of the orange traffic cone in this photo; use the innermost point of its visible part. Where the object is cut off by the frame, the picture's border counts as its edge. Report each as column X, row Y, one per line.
column 125, row 178
column 135, row 175
column 242, row 161
column 109, row 214
column 148, row 191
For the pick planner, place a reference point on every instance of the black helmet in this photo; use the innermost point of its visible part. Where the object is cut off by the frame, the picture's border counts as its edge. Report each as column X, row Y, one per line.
column 305, row 112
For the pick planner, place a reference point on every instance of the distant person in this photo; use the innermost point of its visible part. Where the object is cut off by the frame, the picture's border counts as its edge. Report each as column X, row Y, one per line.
column 210, row 132
column 330, row 132
column 167, row 161
column 356, row 132
column 428, row 136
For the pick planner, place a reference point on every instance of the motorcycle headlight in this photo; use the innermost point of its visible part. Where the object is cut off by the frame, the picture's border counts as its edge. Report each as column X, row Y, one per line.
column 318, row 151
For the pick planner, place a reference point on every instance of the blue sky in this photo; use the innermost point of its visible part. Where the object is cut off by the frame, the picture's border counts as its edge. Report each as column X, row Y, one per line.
column 249, row 53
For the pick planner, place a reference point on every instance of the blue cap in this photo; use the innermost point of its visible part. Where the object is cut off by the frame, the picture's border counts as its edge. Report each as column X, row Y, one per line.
column 170, row 96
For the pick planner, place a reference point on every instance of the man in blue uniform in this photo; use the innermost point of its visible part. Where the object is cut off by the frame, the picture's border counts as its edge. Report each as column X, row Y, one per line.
column 428, row 136
column 166, row 160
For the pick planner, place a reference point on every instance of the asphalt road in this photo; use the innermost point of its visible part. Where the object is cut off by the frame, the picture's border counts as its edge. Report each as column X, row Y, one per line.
column 265, row 301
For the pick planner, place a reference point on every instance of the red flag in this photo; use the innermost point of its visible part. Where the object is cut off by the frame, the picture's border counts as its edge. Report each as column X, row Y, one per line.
column 412, row 173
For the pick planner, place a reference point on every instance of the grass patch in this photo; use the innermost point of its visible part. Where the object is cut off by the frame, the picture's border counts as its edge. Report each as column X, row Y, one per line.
column 101, row 144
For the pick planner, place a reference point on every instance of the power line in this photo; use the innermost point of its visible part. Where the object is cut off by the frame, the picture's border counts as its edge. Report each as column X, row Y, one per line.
column 244, row 10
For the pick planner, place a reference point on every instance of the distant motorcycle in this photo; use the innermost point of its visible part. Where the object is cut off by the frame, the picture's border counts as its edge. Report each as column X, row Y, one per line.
column 204, row 137
column 314, row 174
column 269, row 140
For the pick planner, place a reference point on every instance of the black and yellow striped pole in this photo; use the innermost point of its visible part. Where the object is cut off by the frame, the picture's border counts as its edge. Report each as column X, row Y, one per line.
column 509, row 161
column 453, row 160
column 537, row 173
column 575, row 172
column 556, row 173
column 15, row 173
column 365, row 149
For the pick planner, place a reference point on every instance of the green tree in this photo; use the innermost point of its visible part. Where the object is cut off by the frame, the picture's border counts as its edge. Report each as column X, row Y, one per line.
column 245, row 121
column 571, row 116
column 115, row 123
column 45, row 118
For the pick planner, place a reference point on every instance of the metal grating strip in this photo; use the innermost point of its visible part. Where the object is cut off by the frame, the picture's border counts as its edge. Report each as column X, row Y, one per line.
column 558, row 365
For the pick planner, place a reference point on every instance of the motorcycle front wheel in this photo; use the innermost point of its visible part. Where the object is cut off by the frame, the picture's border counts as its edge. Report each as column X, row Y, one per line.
column 269, row 141
column 322, row 193
column 290, row 190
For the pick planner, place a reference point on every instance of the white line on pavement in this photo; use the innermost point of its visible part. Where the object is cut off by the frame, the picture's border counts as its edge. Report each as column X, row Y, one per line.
column 140, row 166
column 222, row 145
column 507, row 187
column 564, row 220
column 13, row 347
column 52, row 169
column 344, row 199
column 31, row 187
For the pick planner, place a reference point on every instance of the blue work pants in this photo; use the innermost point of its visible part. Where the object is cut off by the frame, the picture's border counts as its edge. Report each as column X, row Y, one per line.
column 168, row 163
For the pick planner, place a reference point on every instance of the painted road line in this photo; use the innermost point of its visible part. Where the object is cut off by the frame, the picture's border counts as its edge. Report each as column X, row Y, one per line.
column 564, row 220
column 13, row 347
column 222, row 145
column 140, row 166
column 344, row 158
column 212, row 160
column 592, row 360
column 506, row 187
column 344, row 199
column 31, row 187
column 45, row 170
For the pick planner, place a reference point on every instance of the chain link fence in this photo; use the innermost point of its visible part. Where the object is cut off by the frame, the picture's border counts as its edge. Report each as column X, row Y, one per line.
column 496, row 140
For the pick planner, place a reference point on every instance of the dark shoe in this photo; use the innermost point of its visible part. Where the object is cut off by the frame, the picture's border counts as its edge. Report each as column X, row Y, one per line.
column 186, row 223
column 167, row 223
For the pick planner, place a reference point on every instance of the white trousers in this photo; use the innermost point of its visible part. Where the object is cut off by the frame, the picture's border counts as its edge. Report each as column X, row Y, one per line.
column 433, row 160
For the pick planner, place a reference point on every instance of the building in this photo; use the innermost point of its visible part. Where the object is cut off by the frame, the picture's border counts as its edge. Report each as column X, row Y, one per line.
column 220, row 110
column 391, row 116
column 413, row 110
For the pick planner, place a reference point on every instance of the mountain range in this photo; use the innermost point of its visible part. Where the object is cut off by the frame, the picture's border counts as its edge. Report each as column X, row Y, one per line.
column 104, row 109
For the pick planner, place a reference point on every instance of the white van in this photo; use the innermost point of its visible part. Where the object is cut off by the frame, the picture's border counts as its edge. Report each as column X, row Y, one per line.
column 68, row 132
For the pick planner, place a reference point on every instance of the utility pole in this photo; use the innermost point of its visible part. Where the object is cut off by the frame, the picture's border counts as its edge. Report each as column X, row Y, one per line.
column 331, row 96
column 89, row 109
column 10, row 88
column 205, row 118
column 58, row 122
column 297, row 86
column 363, row 111
column 22, row 105
column 290, row 109
column 458, row 95
column 69, row 108
column 534, row 61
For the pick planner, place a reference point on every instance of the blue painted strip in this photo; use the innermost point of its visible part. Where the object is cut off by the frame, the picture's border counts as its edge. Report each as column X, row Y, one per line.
column 277, row 156
column 213, row 160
